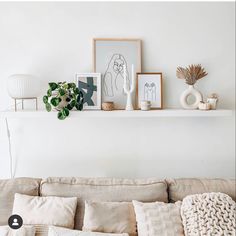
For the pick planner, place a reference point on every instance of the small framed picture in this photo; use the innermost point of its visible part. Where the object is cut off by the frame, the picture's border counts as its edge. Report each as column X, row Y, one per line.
column 112, row 58
column 149, row 88
column 90, row 86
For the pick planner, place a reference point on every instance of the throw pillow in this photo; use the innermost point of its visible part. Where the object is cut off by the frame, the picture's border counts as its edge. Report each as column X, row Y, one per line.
column 158, row 218
column 23, row 231
column 110, row 217
column 209, row 214
column 44, row 211
column 58, row 231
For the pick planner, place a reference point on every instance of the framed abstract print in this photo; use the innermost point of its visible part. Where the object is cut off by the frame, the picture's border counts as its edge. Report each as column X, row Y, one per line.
column 90, row 86
column 113, row 58
column 149, row 88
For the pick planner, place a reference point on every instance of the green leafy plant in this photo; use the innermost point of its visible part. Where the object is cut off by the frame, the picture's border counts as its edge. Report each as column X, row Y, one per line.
column 63, row 97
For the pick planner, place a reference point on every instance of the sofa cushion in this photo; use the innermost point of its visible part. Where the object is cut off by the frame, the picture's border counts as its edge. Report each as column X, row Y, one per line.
column 8, row 188
column 34, row 210
column 23, row 231
column 58, row 231
column 180, row 188
column 158, row 218
column 104, row 189
column 110, row 217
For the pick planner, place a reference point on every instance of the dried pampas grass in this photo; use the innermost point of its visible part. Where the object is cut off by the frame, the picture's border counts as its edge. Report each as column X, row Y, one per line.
column 191, row 73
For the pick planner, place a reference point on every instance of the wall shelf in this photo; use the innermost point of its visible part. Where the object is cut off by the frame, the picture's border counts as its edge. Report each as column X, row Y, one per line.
column 120, row 114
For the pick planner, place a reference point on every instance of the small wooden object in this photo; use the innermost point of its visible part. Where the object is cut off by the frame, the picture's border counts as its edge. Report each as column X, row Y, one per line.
column 107, row 106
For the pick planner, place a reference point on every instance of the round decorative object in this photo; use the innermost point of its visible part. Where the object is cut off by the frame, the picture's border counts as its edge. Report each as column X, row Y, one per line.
column 184, row 98
column 212, row 102
column 204, row 106
column 23, row 86
column 107, row 106
column 145, row 105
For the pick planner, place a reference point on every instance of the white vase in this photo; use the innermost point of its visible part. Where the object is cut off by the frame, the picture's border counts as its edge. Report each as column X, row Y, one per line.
column 23, row 86
column 184, row 98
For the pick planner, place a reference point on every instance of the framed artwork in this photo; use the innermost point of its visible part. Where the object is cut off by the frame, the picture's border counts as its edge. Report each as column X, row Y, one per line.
column 149, row 88
column 111, row 57
column 90, row 86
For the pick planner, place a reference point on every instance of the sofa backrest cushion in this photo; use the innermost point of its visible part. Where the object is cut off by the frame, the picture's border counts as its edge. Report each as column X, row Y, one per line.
column 104, row 189
column 8, row 188
column 180, row 188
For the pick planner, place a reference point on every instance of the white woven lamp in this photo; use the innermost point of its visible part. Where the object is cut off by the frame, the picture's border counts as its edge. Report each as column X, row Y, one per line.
column 23, row 86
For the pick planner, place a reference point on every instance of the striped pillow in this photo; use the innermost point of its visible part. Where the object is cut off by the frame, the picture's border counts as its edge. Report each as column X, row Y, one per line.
column 58, row 231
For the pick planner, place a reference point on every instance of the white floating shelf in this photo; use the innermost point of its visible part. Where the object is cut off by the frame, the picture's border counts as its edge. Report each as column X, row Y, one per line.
column 120, row 114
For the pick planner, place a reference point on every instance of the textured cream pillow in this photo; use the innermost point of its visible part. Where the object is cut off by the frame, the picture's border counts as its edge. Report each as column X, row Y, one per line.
column 58, row 231
column 44, row 211
column 23, row 231
column 110, row 217
column 158, row 218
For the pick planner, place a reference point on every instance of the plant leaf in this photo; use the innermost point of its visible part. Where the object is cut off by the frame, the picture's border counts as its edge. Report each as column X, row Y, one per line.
column 65, row 111
column 62, row 92
column 73, row 103
column 55, row 101
column 79, row 106
column 61, row 116
column 49, row 92
column 48, row 107
column 69, row 107
column 71, row 85
column 45, row 99
column 53, row 85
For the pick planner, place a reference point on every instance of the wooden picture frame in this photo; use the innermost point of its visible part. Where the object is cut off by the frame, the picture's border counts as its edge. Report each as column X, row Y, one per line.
column 90, row 85
column 150, row 90
column 110, row 57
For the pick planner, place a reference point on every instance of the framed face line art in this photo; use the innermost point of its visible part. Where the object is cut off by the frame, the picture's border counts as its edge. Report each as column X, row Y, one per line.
column 149, row 88
column 111, row 57
column 90, row 86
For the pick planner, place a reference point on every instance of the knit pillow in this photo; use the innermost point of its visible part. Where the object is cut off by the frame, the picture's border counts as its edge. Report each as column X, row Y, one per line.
column 209, row 214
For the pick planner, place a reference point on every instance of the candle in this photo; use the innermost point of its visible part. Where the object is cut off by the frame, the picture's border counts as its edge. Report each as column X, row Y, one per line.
column 133, row 77
column 125, row 76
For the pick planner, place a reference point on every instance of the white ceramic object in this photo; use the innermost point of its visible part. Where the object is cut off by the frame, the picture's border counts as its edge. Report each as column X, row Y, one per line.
column 184, row 98
column 129, row 103
column 145, row 105
column 212, row 102
column 23, row 86
column 204, row 106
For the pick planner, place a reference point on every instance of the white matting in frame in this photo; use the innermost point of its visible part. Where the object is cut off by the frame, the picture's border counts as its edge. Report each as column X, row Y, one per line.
column 90, row 86
column 149, row 88
column 111, row 57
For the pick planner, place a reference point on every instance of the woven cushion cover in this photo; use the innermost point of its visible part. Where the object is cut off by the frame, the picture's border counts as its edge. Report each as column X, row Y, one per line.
column 8, row 188
column 158, row 219
column 180, row 188
column 104, row 189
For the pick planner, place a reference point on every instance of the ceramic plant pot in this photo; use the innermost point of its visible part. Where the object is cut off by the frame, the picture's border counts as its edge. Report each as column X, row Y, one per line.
column 184, row 98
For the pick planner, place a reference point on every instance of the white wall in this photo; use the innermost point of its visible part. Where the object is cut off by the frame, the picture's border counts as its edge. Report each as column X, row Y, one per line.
column 54, row 41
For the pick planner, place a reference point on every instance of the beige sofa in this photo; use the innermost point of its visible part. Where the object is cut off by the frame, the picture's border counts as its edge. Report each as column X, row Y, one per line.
column 108, row 189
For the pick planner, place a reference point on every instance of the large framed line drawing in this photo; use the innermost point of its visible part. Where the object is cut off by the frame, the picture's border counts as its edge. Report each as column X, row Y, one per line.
column 110, row 58
column 90, row 86
column 149, row 88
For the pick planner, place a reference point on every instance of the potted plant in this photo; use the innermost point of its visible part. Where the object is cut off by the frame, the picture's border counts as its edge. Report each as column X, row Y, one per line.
column 63, row 97
column 191, row 75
